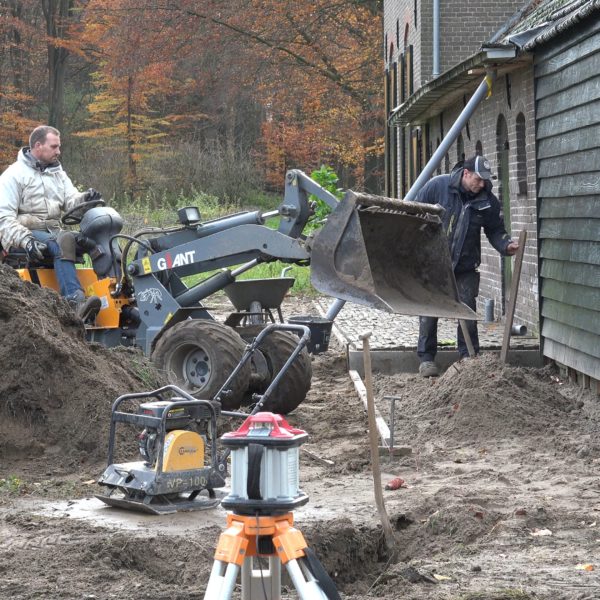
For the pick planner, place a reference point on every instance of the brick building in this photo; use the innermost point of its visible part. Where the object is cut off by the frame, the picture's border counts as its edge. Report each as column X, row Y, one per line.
column 436, row 54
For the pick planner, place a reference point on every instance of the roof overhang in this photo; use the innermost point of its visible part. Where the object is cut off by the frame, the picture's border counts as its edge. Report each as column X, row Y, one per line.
column 445, row 90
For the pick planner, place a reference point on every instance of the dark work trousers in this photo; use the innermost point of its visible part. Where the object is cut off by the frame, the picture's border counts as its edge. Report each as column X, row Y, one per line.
column 468, row 290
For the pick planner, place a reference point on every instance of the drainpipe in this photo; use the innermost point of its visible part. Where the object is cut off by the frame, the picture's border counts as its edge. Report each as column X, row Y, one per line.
column 484, row 90
column 436, row 38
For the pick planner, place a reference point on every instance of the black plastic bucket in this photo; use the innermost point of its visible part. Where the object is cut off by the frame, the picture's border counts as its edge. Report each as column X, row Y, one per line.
column 320, row 332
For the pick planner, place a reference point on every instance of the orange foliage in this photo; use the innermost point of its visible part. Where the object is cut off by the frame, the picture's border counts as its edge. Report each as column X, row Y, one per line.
column 310, row 65
column 317, row 78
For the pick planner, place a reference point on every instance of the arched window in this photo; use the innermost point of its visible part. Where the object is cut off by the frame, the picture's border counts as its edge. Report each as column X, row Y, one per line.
column 460, row 148
column 502, row 159
column 521, row 155
column 478, row 148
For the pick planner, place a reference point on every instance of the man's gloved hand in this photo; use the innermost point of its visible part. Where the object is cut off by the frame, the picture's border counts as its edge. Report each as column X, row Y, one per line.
column 35, row 249
column 91, row 195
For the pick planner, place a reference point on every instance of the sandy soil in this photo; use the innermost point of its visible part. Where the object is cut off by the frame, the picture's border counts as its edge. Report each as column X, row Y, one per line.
column 500, row 500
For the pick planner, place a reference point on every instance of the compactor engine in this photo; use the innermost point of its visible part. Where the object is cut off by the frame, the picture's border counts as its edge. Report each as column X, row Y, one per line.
column 184, row 440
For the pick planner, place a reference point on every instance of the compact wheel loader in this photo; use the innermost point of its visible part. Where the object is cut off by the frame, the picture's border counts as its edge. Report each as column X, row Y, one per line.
column 379, row 252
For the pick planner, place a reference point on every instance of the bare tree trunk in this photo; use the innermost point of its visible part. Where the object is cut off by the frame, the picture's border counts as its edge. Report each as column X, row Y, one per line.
column 16, row 49
column 56, row 13
column 132, row 170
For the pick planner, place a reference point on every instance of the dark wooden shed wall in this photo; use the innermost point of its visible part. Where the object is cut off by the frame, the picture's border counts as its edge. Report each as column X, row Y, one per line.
column 567, row 78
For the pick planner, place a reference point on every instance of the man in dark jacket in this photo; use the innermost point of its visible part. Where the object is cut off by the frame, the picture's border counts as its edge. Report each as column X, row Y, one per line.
column 466, row 195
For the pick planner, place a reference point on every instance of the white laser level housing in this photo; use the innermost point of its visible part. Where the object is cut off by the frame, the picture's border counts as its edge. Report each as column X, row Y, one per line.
column 265, row 456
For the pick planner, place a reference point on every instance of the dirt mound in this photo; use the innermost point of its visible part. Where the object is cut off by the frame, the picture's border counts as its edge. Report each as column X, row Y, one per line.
column 480, row 399
column 56, row 389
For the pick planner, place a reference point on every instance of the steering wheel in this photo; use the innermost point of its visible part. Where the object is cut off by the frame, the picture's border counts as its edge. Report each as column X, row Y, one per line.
column 74, row 216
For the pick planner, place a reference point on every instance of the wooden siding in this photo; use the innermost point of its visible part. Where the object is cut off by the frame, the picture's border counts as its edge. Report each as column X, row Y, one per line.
column 568, row 155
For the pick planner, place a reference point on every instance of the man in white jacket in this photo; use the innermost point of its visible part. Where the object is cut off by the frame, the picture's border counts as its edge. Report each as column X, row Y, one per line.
column 34, row 192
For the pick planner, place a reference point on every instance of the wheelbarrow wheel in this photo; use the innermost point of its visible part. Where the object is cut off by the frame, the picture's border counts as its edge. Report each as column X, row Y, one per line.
column 276, row 348
column 198, row 356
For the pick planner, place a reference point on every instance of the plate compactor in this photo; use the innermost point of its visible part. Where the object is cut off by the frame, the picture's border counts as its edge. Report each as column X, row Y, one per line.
column 178, row 441
column 178, row 447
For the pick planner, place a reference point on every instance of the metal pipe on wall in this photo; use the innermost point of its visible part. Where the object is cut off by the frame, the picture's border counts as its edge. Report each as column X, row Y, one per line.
column 481, row 92
column 436, row 38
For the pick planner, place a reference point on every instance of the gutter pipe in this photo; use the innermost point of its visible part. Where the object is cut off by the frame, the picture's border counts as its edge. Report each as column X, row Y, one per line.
column 436, row 38
column 484, row 90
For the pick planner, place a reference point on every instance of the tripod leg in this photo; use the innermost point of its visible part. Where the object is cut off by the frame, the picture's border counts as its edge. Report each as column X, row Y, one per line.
column 220, row 585
column 261, row 582
column 308, row 588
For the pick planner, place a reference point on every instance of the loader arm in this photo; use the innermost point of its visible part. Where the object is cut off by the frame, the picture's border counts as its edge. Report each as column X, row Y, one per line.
column 198, row 247
column 383, row 253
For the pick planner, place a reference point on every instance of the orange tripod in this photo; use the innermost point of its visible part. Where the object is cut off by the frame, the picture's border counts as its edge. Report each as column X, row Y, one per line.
column 276, row 538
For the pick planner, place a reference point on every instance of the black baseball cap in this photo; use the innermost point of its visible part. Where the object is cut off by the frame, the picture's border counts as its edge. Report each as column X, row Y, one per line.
column 479, row 165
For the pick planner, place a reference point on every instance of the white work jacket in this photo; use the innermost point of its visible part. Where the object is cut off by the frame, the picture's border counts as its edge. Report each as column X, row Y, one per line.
column 33, row 196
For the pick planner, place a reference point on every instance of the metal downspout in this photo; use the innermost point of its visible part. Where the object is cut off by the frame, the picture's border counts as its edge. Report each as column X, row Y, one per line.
column 436, row 38
column 484, row 89
column 482, row 92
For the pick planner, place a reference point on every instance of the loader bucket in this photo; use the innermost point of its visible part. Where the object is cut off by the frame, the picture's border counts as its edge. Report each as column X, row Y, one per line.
column 387, row 254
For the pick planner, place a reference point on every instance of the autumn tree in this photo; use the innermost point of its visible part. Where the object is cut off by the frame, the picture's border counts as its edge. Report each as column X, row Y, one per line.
column 294, row 81
column 160, row 86
column 58, row 15
column 318, row 80
column 135, row 57
column 20, row 60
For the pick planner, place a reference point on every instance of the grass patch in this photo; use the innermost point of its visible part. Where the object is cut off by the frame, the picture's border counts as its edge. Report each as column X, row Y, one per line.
column 11, row 485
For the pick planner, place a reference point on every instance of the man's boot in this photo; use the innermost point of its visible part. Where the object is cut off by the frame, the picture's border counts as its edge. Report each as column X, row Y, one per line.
column 85, row 308
column 428, row 369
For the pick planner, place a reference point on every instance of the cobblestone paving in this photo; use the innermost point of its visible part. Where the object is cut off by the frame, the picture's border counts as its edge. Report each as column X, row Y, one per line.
column 399, row 332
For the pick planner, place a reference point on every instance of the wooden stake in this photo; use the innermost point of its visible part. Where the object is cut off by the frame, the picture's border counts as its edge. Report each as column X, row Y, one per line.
column 512, row 301
column 374, row 445
column 467, row 336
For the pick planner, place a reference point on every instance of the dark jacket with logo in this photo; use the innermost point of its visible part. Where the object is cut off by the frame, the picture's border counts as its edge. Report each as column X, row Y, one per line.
column 465, row 215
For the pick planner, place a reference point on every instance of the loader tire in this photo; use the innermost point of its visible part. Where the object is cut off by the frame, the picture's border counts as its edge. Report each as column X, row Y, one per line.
column 276, row 348
column 199, row 355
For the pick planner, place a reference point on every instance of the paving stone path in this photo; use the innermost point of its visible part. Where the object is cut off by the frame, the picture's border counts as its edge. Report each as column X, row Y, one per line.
column 399, row 332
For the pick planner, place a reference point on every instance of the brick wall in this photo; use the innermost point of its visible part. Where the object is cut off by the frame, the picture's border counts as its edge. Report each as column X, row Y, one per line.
column 397, row 15
column 464, row 26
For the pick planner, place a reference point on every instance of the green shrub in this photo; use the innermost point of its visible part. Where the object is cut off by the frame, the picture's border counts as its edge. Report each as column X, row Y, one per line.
column 327, row 178
column 11, row 485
